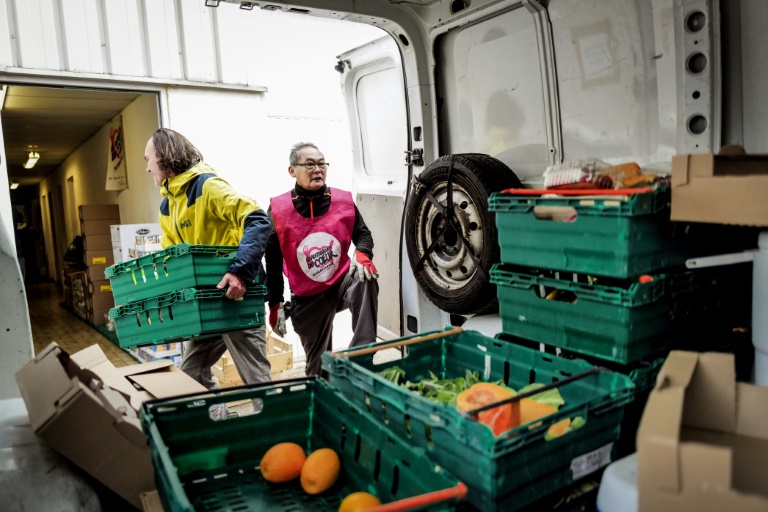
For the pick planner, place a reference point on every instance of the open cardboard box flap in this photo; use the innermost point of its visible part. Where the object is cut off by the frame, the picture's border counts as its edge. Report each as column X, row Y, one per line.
column 702, row 442
column 86, row 409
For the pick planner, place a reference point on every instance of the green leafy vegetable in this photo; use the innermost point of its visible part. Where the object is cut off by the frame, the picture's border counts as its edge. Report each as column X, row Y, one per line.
column 551, row 397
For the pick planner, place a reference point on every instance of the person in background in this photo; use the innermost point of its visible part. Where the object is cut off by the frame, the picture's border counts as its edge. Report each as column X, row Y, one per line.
column 314, row 226
column 199, row 207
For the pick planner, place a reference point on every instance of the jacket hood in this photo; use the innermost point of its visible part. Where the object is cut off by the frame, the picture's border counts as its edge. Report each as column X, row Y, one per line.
column 176, row 185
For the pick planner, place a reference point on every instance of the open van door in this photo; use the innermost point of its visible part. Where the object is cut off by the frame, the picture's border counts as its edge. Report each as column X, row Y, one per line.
column 16, row 338
column 374, row 89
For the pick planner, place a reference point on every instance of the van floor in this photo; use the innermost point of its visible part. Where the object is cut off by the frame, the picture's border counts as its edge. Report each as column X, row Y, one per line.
column 51, row 322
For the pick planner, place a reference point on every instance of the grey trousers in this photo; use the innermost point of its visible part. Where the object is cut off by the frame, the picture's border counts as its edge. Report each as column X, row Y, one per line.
column 248, row 350
column 312, row 317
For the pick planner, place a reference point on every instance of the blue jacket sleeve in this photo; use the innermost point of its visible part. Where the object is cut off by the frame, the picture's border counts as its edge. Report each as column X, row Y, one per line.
column 247, row 264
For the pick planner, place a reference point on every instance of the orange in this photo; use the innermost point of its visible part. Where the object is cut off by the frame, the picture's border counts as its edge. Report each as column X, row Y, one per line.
column 480, row 394
column 500, row 419
column 531, row 410
column 320, row 471
column 359, row 502
column 282, row 462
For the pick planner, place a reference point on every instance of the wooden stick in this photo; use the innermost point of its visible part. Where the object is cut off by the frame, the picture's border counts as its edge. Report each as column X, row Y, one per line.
column 401, row 343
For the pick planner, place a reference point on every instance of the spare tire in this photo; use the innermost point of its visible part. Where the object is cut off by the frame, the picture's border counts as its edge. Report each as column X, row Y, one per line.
column 454, row 276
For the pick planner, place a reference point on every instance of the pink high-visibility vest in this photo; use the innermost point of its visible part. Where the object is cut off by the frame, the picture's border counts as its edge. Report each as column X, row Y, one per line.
column 314, row 250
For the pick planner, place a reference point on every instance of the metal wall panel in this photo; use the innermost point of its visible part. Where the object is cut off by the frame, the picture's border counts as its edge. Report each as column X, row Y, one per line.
column 37, row 33
column 197, row 40
column 163, row 51
column 81, row 36
column 7, row 36
column 179, row 40
column 233, row 45
column 125, row 38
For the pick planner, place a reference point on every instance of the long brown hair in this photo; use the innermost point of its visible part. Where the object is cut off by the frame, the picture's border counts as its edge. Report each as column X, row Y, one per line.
column 175, row 153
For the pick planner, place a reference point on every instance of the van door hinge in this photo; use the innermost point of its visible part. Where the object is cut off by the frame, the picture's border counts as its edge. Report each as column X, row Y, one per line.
column 415, row 157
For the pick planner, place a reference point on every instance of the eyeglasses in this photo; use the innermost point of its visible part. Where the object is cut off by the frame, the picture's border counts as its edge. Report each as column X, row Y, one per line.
column 311, row 165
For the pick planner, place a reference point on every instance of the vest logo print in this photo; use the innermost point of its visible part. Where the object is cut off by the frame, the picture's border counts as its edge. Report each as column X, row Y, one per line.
column 185, row 224
column 319, row 256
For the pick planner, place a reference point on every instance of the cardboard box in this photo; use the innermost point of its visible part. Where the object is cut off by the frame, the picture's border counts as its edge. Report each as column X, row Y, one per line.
column 126, row 234
column 96, row 227
column 99, row 257
column 86, row 409
column 703, row 442
column 96, row 272
column 99, row 212
column 151, row 502
column 728, row 188
column 279, row 353
column 97, row 242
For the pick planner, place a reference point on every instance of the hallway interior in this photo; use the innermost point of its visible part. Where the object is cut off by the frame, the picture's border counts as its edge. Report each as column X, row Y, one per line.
column 51, row 322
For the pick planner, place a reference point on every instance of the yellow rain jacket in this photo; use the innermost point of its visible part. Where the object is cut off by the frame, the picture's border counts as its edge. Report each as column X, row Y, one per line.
column 199, row 207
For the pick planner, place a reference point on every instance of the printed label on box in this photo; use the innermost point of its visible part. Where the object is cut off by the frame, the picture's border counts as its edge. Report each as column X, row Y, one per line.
column 592, row 461
column 99, row 261
column 105, row 288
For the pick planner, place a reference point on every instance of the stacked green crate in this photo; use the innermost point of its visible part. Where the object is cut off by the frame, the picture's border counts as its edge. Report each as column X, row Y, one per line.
column 171, row 295
column 586, row 273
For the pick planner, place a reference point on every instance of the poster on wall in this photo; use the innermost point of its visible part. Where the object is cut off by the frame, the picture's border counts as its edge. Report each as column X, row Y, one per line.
column 116, row 170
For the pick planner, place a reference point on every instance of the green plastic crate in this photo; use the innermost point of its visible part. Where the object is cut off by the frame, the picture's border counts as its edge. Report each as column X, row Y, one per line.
column 503, row 473
column 185, row 314
column 202, row 464
column 614, row 323
column 174, row 268
column 642, row 374
column 608, row 237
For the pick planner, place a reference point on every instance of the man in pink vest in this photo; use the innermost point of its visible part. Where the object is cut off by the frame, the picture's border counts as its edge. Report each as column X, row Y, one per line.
column 313, row 227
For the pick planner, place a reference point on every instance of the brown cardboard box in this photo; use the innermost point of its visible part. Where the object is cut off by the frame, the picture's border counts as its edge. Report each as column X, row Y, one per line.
column 97, row 242
column 151, row 502
column 279, row 353
column 86, row 409
column 703, row 442
column 99, row 257
column 96, row 272
column 728, row 188
column 97, row 227
column 99, row 212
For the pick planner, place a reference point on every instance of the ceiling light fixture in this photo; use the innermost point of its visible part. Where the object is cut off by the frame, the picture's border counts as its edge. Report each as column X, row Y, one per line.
column 34, row 156
column 14, row 185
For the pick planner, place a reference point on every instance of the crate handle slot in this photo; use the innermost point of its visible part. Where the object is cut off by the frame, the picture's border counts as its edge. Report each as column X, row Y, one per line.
column 474, row 412
column 401, row 343
column 556, row 213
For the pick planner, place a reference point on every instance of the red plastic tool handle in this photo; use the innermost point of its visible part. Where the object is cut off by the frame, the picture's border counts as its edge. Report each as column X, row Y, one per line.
column 458, row 492
column 578, row 192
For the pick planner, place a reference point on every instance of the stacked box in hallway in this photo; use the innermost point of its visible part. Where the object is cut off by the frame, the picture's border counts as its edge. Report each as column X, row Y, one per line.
column 95, row 222
column 131, row 241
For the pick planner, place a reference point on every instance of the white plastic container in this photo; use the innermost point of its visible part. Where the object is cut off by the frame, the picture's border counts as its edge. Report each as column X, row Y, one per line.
column 760, row 310
column 618, row 487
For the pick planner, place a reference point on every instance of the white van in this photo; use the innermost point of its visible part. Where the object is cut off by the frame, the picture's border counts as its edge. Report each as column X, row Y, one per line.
column 473, row 96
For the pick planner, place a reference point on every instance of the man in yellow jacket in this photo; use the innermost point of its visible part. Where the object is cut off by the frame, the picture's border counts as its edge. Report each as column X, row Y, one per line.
column 201, row 208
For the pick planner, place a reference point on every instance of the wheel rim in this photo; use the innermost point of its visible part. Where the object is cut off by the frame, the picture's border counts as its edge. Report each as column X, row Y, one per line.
column 450, row 262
